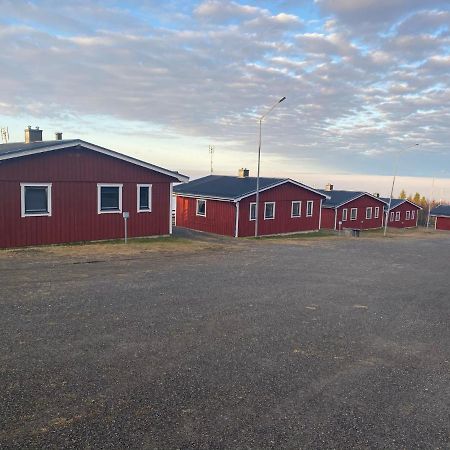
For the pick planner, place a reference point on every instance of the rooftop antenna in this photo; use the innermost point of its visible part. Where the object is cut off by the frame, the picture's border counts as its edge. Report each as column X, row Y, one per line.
column 211, row 153
column 5, row 134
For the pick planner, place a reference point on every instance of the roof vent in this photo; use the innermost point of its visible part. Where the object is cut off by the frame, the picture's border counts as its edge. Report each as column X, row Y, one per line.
column 32, row 135
column 329, row 187
column 243, row 173
column 58, row 136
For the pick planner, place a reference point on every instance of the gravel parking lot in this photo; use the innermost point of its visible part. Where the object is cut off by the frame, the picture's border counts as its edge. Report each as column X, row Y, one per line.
column 332, row 343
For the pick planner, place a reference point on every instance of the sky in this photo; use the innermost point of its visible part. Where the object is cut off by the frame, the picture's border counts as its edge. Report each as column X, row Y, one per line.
column 364, row 80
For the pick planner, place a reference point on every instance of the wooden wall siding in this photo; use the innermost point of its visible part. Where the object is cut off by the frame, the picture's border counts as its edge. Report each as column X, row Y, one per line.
column 328, row 216
column 403, row 223
column 74, row 174
column 361, row 222
column 283, row 223
column 443, row 223
column 220, row 216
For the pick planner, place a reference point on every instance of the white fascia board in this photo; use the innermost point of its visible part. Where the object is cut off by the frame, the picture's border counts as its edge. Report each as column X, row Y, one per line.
column 206, row 197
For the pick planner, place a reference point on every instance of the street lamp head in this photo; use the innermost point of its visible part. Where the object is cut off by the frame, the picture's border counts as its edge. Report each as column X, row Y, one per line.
column 282, row 100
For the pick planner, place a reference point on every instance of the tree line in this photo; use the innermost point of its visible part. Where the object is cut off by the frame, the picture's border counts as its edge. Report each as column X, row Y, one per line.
column 425, row 203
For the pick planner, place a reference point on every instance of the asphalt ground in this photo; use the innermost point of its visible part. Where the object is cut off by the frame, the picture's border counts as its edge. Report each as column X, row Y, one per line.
column 326, row 344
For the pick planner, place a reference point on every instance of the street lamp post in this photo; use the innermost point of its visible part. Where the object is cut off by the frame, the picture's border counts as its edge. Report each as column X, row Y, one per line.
column 386, row 218
column 259, row 163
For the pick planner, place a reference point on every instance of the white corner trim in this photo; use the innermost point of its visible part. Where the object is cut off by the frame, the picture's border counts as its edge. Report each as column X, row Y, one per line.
column 23, row 213
column 99, row 198
column 138, row 198
column 236, row 227
column 170, row 207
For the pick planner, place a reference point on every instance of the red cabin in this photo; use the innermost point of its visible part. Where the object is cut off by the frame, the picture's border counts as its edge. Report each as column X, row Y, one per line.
column 402, row 213
column 70, row 190
column 442, row 214
column 350, row 209
column 227, row 205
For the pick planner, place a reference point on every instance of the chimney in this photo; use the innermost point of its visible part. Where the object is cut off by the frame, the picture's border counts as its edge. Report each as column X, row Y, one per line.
column 377, row 194
column 58, row 136
column 329, row 187
column 243, row 173
column 32, row 135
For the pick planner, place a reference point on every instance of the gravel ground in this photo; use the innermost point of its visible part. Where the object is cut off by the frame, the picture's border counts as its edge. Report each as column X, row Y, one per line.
column 341, row 343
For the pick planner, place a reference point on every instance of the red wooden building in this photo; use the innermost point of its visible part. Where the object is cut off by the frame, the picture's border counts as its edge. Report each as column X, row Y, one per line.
column 402, row 213
column 70, row 190
column 351, row 209
column 442, row 215
column 226, row 205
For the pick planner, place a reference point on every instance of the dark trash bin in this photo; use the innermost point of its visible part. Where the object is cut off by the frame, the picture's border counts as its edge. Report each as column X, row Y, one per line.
column 355, row 233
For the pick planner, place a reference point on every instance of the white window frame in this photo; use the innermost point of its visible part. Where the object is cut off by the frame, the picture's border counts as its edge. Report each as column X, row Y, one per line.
column 392, row 216
column 408, row 215
column 397, row 216
column 413, row 214
column 345, row 215
column 99, row 198
column 138, row 197
column 23, row 213
column 356, row 214
column 265, row 205
column 377, row 212
column 369, row 216
column 250, row 212
column 198, row 200
column 308, row 212
column 299, row 209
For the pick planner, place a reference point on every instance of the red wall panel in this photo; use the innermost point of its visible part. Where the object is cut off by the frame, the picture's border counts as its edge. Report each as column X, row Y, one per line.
column 403, row 222
column 74, row 174
column 443, row 223
column 361, row 222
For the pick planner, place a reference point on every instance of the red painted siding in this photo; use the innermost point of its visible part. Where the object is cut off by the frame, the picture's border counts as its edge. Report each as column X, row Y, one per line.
column 220, row 216
column 328, row 217
column 283, row 196
column 74, row 174
column 361, row 222
column 443, row 223
column 403, row 222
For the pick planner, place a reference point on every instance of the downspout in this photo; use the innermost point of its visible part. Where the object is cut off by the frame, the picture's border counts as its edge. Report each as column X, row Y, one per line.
column 320, row 216
column 335, row 218
column 236, row 227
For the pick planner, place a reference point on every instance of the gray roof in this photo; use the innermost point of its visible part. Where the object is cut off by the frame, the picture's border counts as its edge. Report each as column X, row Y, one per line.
column 398, row 201
column 19, row 149
column 230, row 187
column 338, row 198
column 441, row 210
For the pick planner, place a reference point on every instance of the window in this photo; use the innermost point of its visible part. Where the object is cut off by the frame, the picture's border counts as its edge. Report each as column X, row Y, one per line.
column 392, row 216
column 201, row 208
column 109, row 198
column 252, row 211
column 344, row 214
column 309, row 208
column 269, row 210
column 377, row 212
column 296, row 209
column 408, row 215
column 144, row 198
column 397, row 216
column 368, row 212
column 353, row 213
column 36, row 199
column 413, row 214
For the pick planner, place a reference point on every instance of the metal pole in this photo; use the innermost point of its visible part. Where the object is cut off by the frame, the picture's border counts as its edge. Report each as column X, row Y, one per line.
column 259, row 164
column 126, row 231
column 429, row 205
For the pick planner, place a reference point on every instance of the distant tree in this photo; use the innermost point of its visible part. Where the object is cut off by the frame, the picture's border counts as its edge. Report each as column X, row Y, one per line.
column 416, row 198
column 402, row 194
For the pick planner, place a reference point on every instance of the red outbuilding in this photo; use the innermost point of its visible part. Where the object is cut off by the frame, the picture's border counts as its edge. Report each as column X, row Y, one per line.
column 227, row 205
column 402, row 213
column 351, row 209
column 442, row 215
column 70, row 190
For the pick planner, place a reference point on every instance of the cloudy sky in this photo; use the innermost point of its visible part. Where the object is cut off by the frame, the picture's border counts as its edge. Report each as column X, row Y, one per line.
column 365, row 80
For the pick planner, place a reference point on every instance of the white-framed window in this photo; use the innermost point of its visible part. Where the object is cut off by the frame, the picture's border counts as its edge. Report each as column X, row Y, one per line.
column 144, row 198
column 344, row 215
column 413, row 214
column 252, row 212
column 377, row 212
column 296, row 209
column 397, row 216
column 368, row 212
column 109, row 198
column 392, row 216
column 36, row 199
column 269, row 210
column 309, row 208
column 408, row 215
column 200, row 208
column 353, row 213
